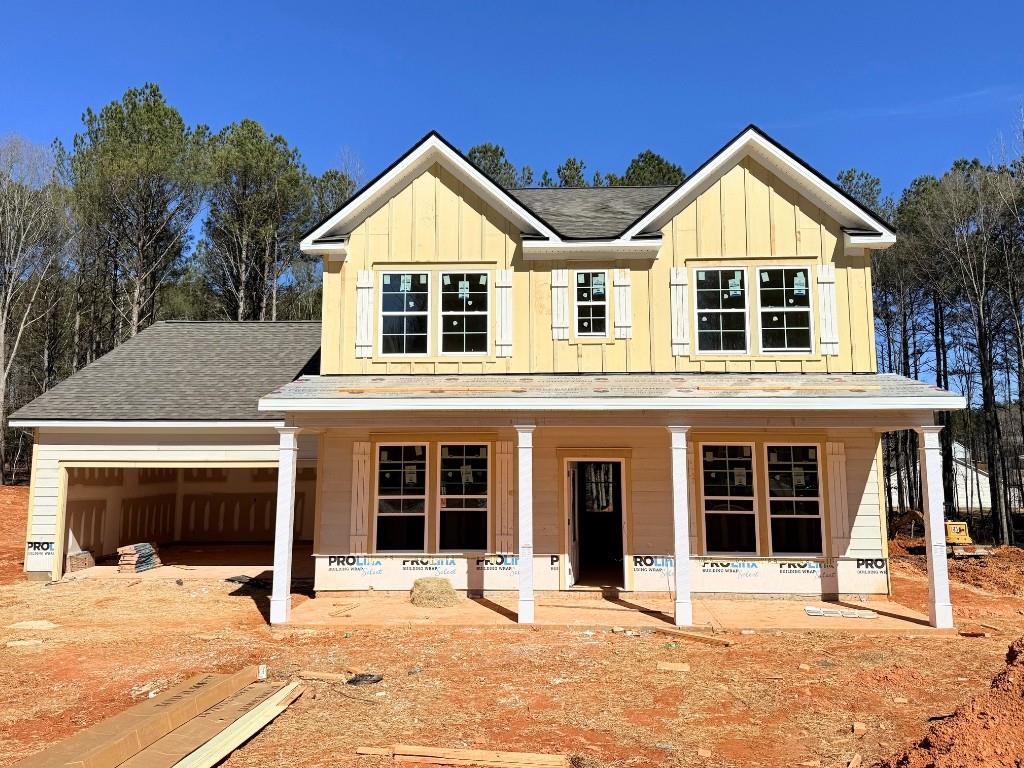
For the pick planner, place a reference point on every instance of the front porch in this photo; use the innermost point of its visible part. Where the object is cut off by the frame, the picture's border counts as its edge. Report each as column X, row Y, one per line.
column 775, row 495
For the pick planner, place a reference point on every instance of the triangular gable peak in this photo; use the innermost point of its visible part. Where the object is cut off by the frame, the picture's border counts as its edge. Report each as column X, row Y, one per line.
column 330, row 237
column 861, row 227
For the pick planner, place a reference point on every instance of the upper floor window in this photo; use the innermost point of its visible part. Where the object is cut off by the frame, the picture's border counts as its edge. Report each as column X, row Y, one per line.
column 404, row 313
column 785, row 300
column 721, row 310
column 464, row 318
column 592, row 303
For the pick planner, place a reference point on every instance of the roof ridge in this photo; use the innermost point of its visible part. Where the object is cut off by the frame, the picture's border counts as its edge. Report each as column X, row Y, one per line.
column 232, row 322
column 602, row 186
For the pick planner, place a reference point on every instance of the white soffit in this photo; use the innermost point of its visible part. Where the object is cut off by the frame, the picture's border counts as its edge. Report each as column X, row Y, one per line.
column 753, row 143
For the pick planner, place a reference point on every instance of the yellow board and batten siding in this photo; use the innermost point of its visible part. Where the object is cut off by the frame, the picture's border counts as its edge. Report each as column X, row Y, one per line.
column 749, row 217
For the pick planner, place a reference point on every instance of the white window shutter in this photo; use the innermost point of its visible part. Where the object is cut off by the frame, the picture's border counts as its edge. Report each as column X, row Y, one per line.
column 359, row 509
column 838, row 500
column 364, row 313
column 560, row 304
column 503, row 290
column 680, row 308
column 623, row 287
column 829, row 309
column 504, row 502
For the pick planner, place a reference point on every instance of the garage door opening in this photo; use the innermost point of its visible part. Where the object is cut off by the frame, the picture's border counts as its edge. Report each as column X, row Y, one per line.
column 207, row 522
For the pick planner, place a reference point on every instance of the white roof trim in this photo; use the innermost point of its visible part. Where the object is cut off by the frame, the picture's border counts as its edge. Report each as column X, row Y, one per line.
column 108, row 424
column 751, row 142
column 647, row 248
column 713, row 403
column 869, row 241
column 430, row 150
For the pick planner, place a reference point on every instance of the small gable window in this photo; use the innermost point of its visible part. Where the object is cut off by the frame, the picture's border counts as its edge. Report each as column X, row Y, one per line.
column 464, row 318
column 592, row 303
column 404, row 313
column 721, row 310
column 785, row 299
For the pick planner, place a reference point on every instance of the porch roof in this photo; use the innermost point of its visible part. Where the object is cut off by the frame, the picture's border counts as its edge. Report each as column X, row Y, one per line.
column 601, row 392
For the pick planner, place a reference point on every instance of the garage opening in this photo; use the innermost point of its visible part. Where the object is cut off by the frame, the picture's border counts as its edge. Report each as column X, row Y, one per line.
column 206, row 521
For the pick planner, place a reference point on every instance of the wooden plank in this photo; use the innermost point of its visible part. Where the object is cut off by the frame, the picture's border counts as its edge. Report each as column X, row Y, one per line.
column 697, row 636
column 406, row 753
column 673, row 666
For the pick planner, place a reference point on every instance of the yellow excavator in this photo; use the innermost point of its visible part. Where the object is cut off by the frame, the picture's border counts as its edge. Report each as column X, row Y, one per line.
column 959, row 542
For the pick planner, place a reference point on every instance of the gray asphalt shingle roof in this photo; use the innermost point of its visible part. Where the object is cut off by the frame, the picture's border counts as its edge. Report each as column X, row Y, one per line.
column 590, row 212
column 185, row 371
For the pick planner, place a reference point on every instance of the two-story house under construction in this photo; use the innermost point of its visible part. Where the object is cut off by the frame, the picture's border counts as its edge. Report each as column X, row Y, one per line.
column 661, row 389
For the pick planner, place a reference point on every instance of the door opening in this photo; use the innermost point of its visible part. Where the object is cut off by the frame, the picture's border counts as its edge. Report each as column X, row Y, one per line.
column 595, row 523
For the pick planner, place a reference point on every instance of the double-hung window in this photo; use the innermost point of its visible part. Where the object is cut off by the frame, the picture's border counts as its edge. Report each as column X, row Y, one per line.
column 794, row 499
column 592, row 303
column 785, row 301
column 401, row 498
column 404, row 313
column 721, row 310
column 462, row 513
column 464, row 318
column 730, row 519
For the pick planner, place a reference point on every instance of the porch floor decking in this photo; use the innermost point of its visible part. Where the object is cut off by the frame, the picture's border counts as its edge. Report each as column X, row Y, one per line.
column 631, row 611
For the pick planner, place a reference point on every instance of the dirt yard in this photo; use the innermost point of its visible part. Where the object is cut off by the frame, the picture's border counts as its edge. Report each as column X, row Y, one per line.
column 582, row 691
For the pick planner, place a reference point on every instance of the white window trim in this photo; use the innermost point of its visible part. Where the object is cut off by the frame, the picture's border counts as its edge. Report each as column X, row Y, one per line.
column 425, row 444
column 746, row 314
column 820, row 499
column 380, row 313
column 441, row 313
column 810, row 309
column 607, row 304
column 699, row 467
column 490, row 498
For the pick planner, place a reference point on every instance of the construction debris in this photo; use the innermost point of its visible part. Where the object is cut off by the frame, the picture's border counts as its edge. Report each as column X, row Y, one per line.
column 859, row 729
column 364, row 678
column 79, row 561
column 700, row 637
column 673, row 666
column 845, row 613
column 193, row 725
column 856, row 761
column 405, row 753
column 136, row 558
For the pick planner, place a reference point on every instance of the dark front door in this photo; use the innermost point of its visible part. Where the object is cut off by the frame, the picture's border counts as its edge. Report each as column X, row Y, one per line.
column 598, row 500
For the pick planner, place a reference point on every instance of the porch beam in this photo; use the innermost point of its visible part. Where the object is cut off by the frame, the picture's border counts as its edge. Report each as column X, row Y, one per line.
column 681, row 526
column 939, row 602
column 524, row 446
column 284, row 524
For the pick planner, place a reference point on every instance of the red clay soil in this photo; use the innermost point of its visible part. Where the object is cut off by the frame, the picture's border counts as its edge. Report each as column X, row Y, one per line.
column 13, row 516
column 989, row 731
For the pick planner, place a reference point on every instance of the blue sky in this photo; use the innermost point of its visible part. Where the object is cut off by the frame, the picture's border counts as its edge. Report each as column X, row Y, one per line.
column 898, row 88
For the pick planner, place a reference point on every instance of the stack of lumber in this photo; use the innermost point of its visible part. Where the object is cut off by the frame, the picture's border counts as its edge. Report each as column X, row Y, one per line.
column 484, row 758
column 194, row 725
column 136, row 558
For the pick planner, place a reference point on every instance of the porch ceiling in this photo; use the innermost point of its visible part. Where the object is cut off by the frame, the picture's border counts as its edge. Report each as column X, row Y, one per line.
column 619, row 392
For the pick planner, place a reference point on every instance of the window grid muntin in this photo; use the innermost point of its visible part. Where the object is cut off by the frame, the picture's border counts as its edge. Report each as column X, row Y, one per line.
column 419, row 294
column 588, row 308
column 714, row 305
column 423, row 462
column 481, row 499
column 773, row 468
column 730, row 499
column 791, row 317
column 479, row 317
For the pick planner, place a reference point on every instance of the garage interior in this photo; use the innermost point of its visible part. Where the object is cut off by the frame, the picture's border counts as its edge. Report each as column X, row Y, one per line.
column 202, row 519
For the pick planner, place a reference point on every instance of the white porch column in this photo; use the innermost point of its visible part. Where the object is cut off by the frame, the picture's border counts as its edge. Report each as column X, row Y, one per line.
column 284, row 525
column 941, row 608
column 681, row 527
column 524, row 445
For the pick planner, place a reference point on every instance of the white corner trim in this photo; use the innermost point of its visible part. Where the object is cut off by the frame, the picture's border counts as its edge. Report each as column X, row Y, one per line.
column 106, row 424
column 432, row 149
column 583, row 250
column 708, row 403
column 751, row 142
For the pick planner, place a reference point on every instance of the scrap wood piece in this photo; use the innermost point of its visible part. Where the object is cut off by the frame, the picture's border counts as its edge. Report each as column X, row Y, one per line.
column 673, row 666
column 856, row 761
column 202, row 728
column 312, row 674
column 242, row 729
column 700, row 637
column 406, row 753
column 111, row 742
